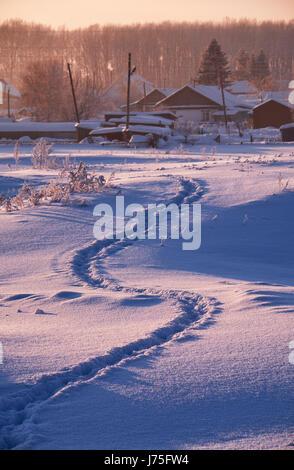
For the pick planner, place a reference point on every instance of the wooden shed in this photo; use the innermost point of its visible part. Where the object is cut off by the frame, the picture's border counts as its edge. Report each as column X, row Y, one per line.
column 287, row 131
column 271, row 113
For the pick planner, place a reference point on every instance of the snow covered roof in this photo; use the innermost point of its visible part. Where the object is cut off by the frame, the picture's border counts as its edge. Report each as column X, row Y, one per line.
column 89, row 124
column 192, row 106
column 119, row 114
column 106, row 130
column 164, row 91
column 279, row 96
column 144, row 119
column 284, row 103
column 161, row 131
column 29, row 126
column 241, row 87
column 288, row 126
column 139, row 129
column 213, row 93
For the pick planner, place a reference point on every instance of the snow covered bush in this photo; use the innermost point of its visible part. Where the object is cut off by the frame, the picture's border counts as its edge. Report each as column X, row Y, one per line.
column 78, row 180
column 41, row 153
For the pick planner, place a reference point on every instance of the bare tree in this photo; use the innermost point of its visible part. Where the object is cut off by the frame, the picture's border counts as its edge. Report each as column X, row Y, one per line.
column 166, row 54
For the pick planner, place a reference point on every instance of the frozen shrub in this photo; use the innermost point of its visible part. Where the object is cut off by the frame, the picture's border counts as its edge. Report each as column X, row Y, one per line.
column 181, row 150
column 41, row 153
column 80, row 181
column 17, row 202
column 7, row 205
column 35, row 198
column 53, row 163
column 54, row 192
column 109, row 181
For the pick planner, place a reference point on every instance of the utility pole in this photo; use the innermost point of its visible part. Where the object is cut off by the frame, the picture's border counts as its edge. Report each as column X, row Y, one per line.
column 223, row 97
column 8, row 102
column 130, row 73
column 73, row 94
column 144, row 88
column 128, row 91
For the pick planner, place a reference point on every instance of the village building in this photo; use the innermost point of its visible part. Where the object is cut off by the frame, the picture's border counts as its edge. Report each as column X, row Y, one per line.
column 148, row 101
column 203, row 103
column 272, row 113
column 287, row 131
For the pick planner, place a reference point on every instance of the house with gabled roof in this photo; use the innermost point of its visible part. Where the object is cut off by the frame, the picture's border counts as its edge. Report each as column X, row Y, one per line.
column 148, row 102
column 203, row 103
column 272, row 113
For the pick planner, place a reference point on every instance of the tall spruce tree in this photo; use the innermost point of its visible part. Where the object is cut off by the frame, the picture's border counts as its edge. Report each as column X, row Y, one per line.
column 213, row 66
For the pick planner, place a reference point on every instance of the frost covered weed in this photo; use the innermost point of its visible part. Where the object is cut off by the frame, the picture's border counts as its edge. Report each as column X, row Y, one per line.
column 40, row 154
column 213, row 150
column 181, row 150
column 41, row 159
column 78, row 180
column 109, row 181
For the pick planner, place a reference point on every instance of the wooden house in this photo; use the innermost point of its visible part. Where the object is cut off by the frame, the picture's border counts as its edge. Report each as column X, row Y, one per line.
column 200, row 103
column 287, row 131
column 148, row 102
column 272, row 113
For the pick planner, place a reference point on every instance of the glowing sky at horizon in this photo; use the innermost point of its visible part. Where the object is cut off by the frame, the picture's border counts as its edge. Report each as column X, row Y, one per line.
column 77, row 13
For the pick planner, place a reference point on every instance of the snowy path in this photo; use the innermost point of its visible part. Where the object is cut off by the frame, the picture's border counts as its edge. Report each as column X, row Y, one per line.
column 209, row 366
column 19, row 409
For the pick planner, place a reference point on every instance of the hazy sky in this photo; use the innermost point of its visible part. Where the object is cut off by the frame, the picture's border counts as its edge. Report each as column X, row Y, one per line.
column 76, row 13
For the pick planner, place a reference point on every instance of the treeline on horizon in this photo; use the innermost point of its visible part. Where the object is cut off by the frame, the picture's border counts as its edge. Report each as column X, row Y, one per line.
column 167, row 54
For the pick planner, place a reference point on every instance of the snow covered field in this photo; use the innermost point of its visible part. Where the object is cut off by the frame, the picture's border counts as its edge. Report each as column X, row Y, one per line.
column 141, row 345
